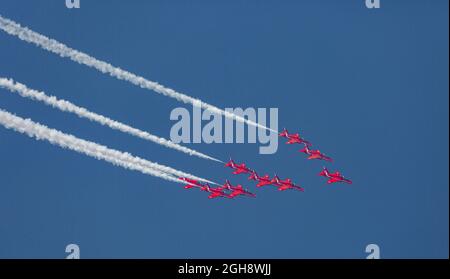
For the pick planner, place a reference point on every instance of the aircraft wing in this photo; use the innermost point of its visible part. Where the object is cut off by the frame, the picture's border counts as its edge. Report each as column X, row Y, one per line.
column 284, row 187
column 241, row 192
column 235, row 193
column 189, row 186
column 333, row 180
column 263, row 183
column 214, row 195
column 294, row 187
column 238, row 171
column 292, row 140
column 314, row 156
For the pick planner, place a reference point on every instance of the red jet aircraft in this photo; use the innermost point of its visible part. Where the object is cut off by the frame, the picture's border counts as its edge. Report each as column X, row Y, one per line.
column 215, row 192
column 285, row 184
column 236, row 190
column 190, row 183
column 334, row 177
column 242, row 168
column 315, row 154
column 293, row 138
column 262, row 181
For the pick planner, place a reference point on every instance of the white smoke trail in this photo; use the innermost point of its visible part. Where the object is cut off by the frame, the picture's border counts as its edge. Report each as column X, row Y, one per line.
column 89, row 148
column 67, row 106
column 62, row 50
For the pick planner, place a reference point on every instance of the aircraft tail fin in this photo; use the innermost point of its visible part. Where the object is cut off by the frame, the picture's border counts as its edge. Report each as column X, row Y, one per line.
column 253, row 176
column 284, row 133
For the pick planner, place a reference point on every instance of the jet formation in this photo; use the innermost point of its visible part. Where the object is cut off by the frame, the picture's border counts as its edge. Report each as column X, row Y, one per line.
column 229, row 191
column 265, row 180
column 225, row 191
column 314, row 154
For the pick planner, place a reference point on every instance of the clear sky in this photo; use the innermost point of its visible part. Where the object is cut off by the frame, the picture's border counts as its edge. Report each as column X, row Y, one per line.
column 368, row 87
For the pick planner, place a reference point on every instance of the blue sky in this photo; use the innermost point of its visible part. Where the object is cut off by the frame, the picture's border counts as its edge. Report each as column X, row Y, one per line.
column 368, row 87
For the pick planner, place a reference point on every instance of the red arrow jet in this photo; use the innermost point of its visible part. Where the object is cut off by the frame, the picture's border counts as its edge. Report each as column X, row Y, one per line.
column 285, row 184
column 215, row 192
column 190, row 183
column 236, row 190
column 334, row 177
column 242, row 168
column 262, row 181
column 315, row 154
column 293, row 138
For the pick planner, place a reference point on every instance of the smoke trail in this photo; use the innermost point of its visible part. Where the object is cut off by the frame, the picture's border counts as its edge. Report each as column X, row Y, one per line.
column 62, row 50
column 40, row 132
column 100, row 152
column 63, row 105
